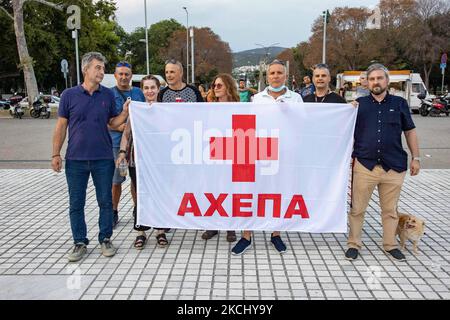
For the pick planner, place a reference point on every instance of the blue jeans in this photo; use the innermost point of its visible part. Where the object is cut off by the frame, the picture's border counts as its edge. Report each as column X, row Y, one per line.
column 77, row 175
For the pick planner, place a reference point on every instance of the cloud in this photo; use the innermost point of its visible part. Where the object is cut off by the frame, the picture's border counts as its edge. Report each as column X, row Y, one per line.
column 241, row 23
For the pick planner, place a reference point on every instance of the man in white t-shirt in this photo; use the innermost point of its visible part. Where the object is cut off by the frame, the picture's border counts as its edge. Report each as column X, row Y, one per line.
column 275, row 92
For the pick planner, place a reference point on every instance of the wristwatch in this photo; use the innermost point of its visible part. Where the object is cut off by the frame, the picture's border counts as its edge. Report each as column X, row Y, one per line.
column 122, row 151
column 417, row 158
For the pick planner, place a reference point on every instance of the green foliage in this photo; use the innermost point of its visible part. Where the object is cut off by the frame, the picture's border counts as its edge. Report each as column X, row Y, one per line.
column 49, row 41
column 133, row 50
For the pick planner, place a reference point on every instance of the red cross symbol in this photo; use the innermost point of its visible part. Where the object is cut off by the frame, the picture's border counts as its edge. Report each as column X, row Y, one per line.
column 243, row 148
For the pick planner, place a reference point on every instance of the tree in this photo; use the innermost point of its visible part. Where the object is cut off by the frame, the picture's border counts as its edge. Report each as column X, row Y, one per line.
column 48, row 39
column 431, row 22
column 133, row 50
column 294, row 67
column 212, row 55
column 26, row 61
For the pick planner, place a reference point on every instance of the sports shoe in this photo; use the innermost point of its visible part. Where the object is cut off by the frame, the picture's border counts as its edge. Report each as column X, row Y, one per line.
column 78, row 251
column 242, row 246
column 278, row 244
column 351, row 254
column 208, row 234
column 115, row 218
column 396, row 254
column 107, row 247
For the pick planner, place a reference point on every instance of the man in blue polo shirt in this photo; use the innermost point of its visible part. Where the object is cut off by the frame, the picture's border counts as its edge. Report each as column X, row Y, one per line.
column 87, row 110
column 379, row 160
column 122, row 91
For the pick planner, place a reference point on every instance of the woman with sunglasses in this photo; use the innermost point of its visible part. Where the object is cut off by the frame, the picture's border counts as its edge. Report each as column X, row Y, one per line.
column 223, row 89
column 150, row 86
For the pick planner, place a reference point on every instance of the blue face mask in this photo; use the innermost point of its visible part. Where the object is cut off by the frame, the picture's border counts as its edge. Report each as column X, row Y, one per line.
column 279, row 89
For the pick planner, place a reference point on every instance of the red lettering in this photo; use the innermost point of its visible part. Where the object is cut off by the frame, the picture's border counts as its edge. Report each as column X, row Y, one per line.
column 238, row 204
column 189, row 198
column 216, row 205
column 302, row 210
column 276, row 204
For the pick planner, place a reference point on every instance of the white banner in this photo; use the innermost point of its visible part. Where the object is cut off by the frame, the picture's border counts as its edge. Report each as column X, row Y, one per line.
column 243, row 166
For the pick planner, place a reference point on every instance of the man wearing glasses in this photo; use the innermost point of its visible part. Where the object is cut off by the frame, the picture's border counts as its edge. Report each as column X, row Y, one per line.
column 122, row 91
column 321, row 80
column 177, row 90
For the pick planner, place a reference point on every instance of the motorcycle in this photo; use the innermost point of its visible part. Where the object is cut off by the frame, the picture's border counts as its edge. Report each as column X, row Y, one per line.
column 434, row 107
column 13, row 104
column 41, row 108
column 426, row 105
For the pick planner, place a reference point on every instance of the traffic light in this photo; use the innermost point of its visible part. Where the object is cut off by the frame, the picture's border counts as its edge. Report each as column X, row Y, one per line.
column 326, row 15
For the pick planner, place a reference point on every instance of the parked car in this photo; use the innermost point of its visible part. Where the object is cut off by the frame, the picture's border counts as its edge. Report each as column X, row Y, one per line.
column 54, row 101
column 4, row 105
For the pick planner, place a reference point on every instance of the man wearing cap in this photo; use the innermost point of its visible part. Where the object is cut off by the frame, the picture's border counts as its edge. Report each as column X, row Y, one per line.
column 122, row 91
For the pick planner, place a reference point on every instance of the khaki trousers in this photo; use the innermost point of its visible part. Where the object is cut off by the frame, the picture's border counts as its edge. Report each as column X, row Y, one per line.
column 389, row 186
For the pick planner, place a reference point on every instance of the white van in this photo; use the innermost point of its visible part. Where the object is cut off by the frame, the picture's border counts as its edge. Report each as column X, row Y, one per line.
column 402, row 83
column 109, row 81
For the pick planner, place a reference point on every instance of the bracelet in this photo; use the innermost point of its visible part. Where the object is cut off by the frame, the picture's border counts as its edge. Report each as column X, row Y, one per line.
column 56, row 155
column 122, row 151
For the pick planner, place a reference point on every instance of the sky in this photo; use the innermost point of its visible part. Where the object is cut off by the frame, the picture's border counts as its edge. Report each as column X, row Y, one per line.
column 241, row 23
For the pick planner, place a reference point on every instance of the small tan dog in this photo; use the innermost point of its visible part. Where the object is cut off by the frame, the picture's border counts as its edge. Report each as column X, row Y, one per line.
column 410, row 228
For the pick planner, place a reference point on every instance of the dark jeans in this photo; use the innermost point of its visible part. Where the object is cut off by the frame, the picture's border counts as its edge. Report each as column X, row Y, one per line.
column 77, row 175
column 137, row 227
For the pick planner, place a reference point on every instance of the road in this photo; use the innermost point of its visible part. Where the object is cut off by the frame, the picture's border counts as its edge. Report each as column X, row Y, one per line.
column 27, row 143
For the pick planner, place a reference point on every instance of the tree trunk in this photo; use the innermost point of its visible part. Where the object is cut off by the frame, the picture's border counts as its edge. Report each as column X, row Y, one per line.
column 26, row 61
column 427, row 72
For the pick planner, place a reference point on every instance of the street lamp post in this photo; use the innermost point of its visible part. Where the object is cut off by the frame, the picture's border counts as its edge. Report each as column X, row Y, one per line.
column 146, row 38
column 266, row 49
column 326, row 16
column 187, row 44
column 192, row 56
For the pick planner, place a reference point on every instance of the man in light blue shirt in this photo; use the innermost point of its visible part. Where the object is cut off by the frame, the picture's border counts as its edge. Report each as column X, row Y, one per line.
column 122, row 91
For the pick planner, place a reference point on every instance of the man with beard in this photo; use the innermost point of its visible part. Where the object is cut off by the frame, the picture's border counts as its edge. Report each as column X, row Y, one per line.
column 379, row 160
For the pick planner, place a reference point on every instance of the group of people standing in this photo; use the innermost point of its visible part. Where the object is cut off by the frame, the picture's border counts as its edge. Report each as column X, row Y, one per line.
column 100, row 139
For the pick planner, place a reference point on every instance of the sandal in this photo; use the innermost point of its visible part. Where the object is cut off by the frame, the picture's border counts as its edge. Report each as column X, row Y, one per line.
column 139, row 243
column 162, row 240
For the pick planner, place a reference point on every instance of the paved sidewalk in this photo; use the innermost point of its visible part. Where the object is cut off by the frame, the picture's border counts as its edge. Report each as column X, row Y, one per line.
column 35, row 238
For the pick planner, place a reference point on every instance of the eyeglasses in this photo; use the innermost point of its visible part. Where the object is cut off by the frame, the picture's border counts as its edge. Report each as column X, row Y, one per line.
column 278, row 61
column 217, row 86
column 123, row 64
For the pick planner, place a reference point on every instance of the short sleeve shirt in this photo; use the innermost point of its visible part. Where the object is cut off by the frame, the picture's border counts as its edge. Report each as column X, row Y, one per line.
column 88, row 117
column 187, row 94
column 378, row 132
column 288, row 96
column 120, row 97
column 331, row 97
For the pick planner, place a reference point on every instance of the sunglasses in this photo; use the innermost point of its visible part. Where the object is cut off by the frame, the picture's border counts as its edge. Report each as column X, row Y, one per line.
column 171, row 61
column 123, row 64
column 321, row 65
column 217, row 86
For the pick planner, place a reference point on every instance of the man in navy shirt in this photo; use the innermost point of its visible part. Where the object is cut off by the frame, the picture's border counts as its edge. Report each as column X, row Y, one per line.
column 379, row 160
column 87, row 110
column 122, row 91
